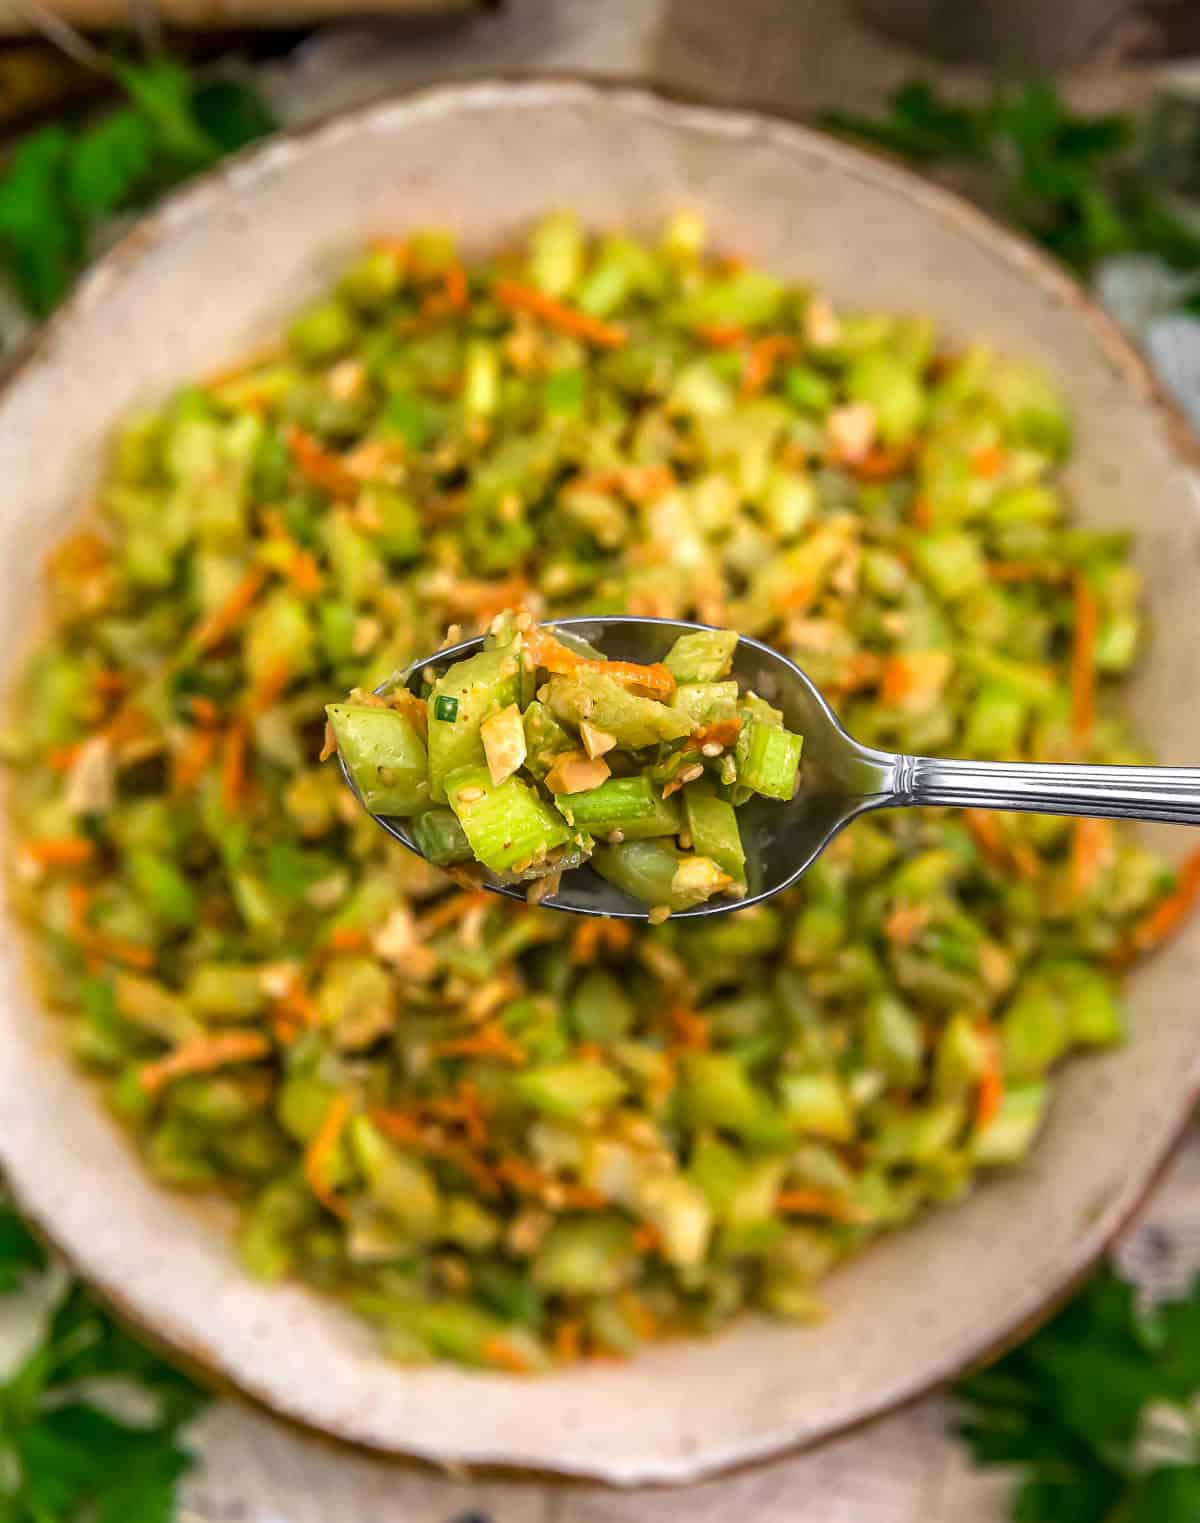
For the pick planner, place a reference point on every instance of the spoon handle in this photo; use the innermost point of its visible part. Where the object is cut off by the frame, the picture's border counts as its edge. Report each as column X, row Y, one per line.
column 1115, row 793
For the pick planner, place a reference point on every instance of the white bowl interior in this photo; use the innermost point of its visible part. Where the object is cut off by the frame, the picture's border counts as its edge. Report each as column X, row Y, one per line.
column 218, row 270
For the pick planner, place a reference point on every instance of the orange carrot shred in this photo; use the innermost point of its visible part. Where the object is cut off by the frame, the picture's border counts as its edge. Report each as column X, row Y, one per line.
column 718, row 732
column 193, row 761
column 222, row 622
column 689, row 1026
column 59, row 851
column 203, row 1055
column 985, row 830
column 991, row 1081
column 988, row 461
column 233, row 767
column 499, row 1351
column 905, row 923
column 1083, row 660
column 590, row 934
column 522, row 298
column 721, row 335
column 545, row 650
column 205, row 711
column 271, row 685
column 763, row 355
column 882, row 463
column 817, row 1203
column 1091, row 849
column 347, row 938
column 567, row 1342
column 1168, row 914
column 1023, row 571
column 63, row 758
column 321, row 467
column 922, row 512
column 304, row 573
column 447, row 911
column 647, row 1238
column 490, row 1041
column 319, row 1155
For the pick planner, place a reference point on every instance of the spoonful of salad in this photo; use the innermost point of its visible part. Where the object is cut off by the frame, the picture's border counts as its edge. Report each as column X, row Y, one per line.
column 642, row 768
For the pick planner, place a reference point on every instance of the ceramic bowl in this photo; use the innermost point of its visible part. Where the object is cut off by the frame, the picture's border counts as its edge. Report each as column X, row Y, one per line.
column 216, row 270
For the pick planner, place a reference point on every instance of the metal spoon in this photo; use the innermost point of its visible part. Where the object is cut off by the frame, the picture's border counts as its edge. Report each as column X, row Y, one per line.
column 839, row 778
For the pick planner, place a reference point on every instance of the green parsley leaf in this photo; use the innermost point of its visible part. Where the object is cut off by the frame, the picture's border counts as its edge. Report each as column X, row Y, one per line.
column 20, row 1252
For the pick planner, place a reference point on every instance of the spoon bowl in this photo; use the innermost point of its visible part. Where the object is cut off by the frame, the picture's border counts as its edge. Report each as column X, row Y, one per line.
column 839, row 778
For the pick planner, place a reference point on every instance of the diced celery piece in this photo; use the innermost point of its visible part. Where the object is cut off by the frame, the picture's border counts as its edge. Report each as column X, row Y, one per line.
column 680, row 1212
column 480, row 684
column 818, row 1105
column 604, row 703
column 772, row 761
column 586, row 1256
column 747, row 298
column 226, row 991
column 891, row 388
column 704, row 702
column 545, row 739
column 952, row 562
column 397, row 1180
column 601, row 1011
column 556, row 252
column 713, row 826
column 439, row 837
column 1006, row 1137
column 614, row 803
column 505, row 825
column 719, row 1092
column 705, row 656
column 650, row 870
column 385, row 757
column 322, row 332
column 892, row 1039
column 569, row 1091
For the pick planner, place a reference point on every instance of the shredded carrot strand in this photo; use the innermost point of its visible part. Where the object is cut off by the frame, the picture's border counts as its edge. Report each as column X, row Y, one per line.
column 905, row 923
column 500, row 1352
column 521, row 298
column 319, row 1155
column 690, row 1027
column 347, row 938
column 567, row 1342
column 721, row 335
column 988, row 461
column 1168, row 914
column 203, row 1055
column 1083, row 660
column 205, row 711
column 490, row 1041
column 59, row 851
column 233, row 767
column 545, row 650
column 922, row 512
column 985, row 831
column 220, row 624
column 63, row 758
column 322, row 468
column 271, row 685
column 817, row 1203
column 592, row 933
column 193, row 761
column 881, row 463
column 304, row 573
column 647, row 1238
column 991, row 1081
column 449, row 910
column 1091, row 850
column 718, row 732
column 761, row 359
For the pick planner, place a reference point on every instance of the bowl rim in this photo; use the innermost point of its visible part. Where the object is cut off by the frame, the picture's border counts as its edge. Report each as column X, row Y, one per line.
column 749, row 122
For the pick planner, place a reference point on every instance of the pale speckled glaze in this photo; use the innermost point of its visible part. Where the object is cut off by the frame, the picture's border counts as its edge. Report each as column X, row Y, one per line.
column 214, row 272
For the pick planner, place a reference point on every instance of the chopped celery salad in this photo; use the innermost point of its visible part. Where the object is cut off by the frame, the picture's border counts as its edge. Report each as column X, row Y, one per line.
column 503, row 1135
column 533, row 779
